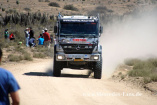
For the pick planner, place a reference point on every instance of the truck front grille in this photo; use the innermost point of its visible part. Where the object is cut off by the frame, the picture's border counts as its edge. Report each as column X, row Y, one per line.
column 78, row 48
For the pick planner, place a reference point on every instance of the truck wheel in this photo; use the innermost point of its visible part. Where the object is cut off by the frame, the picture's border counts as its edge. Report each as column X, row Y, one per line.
column 98, row 69
column 57, row 67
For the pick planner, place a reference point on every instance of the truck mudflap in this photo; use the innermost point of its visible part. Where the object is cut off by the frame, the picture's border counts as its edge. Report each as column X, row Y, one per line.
column 78, row 57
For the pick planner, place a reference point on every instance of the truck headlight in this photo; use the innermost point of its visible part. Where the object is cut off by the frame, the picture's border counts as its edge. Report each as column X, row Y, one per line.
column 96, row 57
column 69, row 46
column 65, row 46
column 60, row 57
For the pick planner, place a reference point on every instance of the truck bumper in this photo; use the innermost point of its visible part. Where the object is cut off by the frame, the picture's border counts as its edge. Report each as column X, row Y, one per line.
column 77, row 57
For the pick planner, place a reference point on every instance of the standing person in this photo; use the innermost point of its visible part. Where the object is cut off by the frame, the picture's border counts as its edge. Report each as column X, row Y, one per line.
column 41, row 40
column 27, row 36
column 46, row 39
column 6, row 34
column 8, row 85
column 31, row 33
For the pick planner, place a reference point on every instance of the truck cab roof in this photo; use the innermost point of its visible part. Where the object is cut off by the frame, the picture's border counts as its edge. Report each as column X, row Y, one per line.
column 78, row 18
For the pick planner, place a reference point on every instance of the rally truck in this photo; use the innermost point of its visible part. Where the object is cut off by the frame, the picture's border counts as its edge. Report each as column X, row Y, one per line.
column 77, row 44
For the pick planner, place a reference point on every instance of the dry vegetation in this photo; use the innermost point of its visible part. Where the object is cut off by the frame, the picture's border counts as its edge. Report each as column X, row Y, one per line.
column 143, row 68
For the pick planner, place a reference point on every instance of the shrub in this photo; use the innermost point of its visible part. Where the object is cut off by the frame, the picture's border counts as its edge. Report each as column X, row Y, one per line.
column 131, row 62
column 19, row 49
column 17, row 2
column 47, row 1
column 122, row 76
column 27, row 9
column 40, row 0
column 146, row 69
column 27, row 56
column 153, row 61
column 70, row 7
column 3, row 9
column 2, row 43
column 39, row 55
column 14, row 58
column 49, row 52
column 54, row 4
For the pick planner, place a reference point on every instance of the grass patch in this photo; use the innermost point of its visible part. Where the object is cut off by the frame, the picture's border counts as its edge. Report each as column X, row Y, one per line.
column 146, row 69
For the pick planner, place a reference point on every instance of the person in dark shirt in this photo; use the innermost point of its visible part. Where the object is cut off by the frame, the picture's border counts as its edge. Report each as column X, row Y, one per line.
column 8, row 85
column 31, row 33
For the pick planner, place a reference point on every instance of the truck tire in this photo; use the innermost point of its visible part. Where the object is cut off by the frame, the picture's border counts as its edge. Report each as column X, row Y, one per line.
column 57, row 67
column 98, row 69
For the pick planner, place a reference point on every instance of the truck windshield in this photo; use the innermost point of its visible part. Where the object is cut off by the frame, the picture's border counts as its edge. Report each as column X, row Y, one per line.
column 87, row 28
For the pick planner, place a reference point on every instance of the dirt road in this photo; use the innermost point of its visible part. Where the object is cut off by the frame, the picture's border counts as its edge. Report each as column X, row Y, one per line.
column 38, row 87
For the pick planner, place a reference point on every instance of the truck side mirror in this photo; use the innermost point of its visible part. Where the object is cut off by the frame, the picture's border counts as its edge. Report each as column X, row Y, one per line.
column 55, row 29
column 101, row 29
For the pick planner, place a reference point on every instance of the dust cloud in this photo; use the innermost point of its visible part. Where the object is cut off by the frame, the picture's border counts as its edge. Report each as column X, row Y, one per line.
column 135, row 37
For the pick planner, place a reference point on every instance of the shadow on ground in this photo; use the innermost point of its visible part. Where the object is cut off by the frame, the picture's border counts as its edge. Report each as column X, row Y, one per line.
column 36, row 74
column 74, row 76
column 50, row 73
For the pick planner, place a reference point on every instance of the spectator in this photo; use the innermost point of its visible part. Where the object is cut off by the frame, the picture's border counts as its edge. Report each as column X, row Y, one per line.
column 27, row 36
column 8, row 85
column 51, row 39
column 32, row 42
column 41, row 40
column 12, row 37
column 6, row 34
column 43, row 31
column 31, row 33
column 46, row 38
column 55, row 40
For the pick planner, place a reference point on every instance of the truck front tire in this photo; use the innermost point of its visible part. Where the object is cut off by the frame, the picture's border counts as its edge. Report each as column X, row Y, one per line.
column 57, row 67
column 98, row 69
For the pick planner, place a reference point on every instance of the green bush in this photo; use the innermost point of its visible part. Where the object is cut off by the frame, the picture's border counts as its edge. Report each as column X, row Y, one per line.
column 70, row 7
column 54, row 4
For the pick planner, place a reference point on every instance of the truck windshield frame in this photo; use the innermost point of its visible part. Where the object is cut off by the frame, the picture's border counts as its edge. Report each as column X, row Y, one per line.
column 79, row 28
